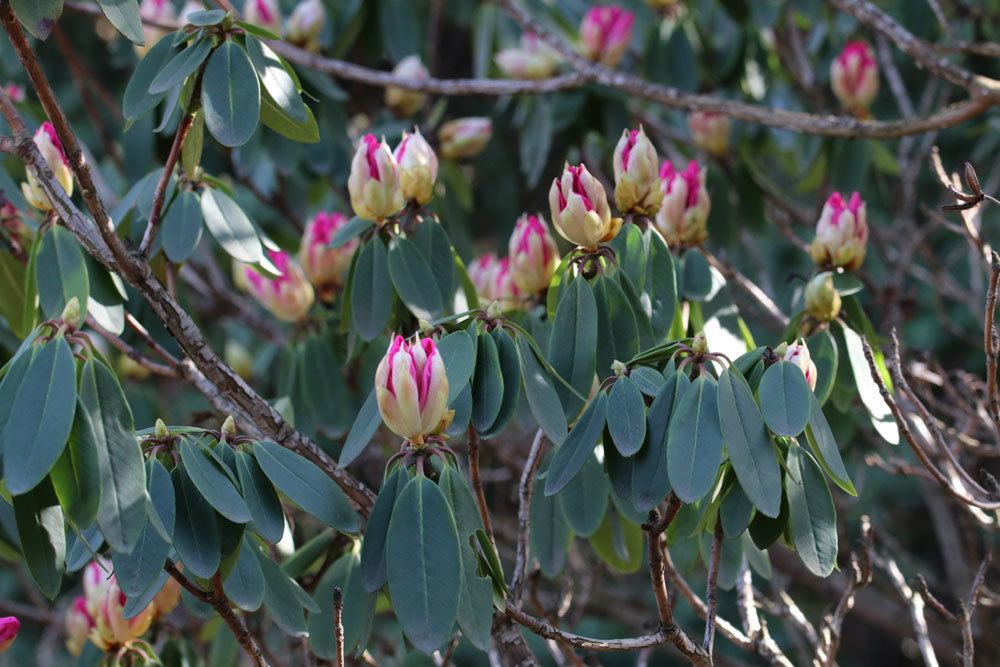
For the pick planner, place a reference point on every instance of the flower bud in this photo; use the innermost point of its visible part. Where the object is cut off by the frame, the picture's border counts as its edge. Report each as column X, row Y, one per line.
column 132, row 369
column 683, row 217
column 238, row 358
column 822, row 298
column 9, row 625
column 289, row 296
column 160, row 430
column 407, row 102
column 464, row 137
column 580, row 210
column 325, row 266
column 637, row 185
column 481, row 272
column 418, row 167
column 854, row 76
column 228, row 429
column 14, row 92
column 78, row 624
column 97, row 578
column 605, row 33
column 51, row 149
column 505, row 291
column 374, row 180
column 265, row 13
column 533, row 254
column 158, row 11
column 412, row 388
column 841, row 233
column 111, row 629
column 699, row 344
column 71, row 313
column 533, row 59
column 710, row 131
column 168, row 597
column 798, row 354
column 306, row 23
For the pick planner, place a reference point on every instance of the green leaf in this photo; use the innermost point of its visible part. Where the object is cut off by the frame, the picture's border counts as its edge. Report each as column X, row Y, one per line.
column 540, row 392
column 436, row 248
column 42, row 534
column 413, row 279
column 647, row 379
column 824, row 446
column 617, row 331
column 357, row 613
column 585, row 500
column 276, row 81
column 11, row 383
column 749, row 444
column 282, row 597
column 371, row 290
column 868, row 391
column 230, row 226
column 180, row 67
column 578, row 446
column 458, row 352
column 784, row 398
column 550, row 534
column 140, row 569
column 76, row 475
column 823, row 350
column 245, row 583
column 306, row 485
column 510, row 370
column 196, row 537
column 661, row 285
column 812, row 513
column 13, row 306
column 261, row 499
column 230, row 95
column 38, row 16
column 373, row 553
column 182, row 228
column 41, row 417
column 191, row 151
column 362, row 431
column 206, row 17
column 694, row 442
column 274, row 117
column 352, row 229
column 107, row 297
column 573, row 342
column 422, row 559
column 536, row 139
column 122, row 512
column 216, row 488
column 619, row 543
column 61, row 273
column 487, row 384
column 650, row 477
column 626, row 416
column 765, row 530
column 138, row 100
column 736, row 510
column 697, row 273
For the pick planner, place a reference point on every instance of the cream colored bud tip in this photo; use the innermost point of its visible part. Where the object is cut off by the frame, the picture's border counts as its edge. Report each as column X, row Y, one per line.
column 619, row 368
column 426, row 328
column 781, row 349
column 700, row 343
column 161, row 431
column 71, row 313
column 229, row 427
column 494, row 311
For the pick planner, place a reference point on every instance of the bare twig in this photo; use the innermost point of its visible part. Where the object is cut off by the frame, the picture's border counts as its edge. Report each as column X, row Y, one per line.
column 160, row 192
column 524, row 492
column 338, row 625
column 711, row 592
column 477, row 483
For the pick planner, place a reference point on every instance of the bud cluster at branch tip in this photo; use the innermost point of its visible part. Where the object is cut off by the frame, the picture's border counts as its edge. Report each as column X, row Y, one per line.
column 637, row 184
column 288, row 296
column 418, row 167
column 50, row 147
column 822, row 300
column 605, row 33
column 464, row 137
column 411, row 387
column 306, row 24
column 854, row 77
column 798, row 354
column 407, row 102
column 710, row 131
column 265, row 13
column 841, row 233
column 683, row 217
column 580, row 210
column 531, row 59
column 533, row 254
column 374, row 181
column 323, row 265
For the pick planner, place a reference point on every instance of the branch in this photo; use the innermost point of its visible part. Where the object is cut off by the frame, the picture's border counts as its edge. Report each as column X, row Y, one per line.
column 915, row 604
column 338, row 625
column 860, row 576
column 711, row 592
column 477, row 484
column 168, row 169
column 525, row 490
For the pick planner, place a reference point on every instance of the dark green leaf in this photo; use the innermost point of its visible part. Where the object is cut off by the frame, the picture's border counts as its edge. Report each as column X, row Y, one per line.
column 76, row 475
column 181, row 67
column 14, row 303
column 371, row 290
column 578, row 446
column 487, row 384
column 196, row 537
column 140, row 569
column 358, row 609
column 573, row 342
column 823, row 351
column 38, row 16
column 647, row 379
column 812, row 514
column 206, row 17
column 362, row 431
column 617, row 331
column 261, row 499
column 661, row 285
column 458, row 352
column 216, row 488
column 276, row 81
column 352, row 229
column 245, row 583
column 543, row 400
column 413, row 279
column 650, row 478
column 274, row 117
column 626, row 416
column 550, row 534
column 138, row 100
column 230, row 226
column 619, row 543
column 42, row 533
column 377, row 530
column 510, row 369
column 585, row 500
column 784, row 398
column 107, row 296
column 182, row 227
column 282, row 597
column 735, row 512
column 697, row 272
column 694, row 442
column 61, row 273
column 230, row 95
column 824, row 446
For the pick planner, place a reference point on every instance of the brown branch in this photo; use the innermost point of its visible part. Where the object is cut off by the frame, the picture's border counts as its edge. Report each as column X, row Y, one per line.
column 711, row 592
column 218, row 600
column 860, row 576
column 477, row 484
column 915, row 604
column 525, row 491
column 338, row 625
column 990, row 344
column 160, row 192
column 656, row 570
column 132, row 353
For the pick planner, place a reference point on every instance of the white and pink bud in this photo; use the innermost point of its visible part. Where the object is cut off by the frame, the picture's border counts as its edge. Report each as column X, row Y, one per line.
column 637, row 184
column 111, row 629
column 155, row 11
column 605, row 33
column 533, row 254
column 97, row 579
column 841, row 233
column 580, row 210
column 9, row 626
column 710, row 131
column 78, row 624
column 374, row 181
column 306, row 24
column 14, row 92
column 51, row 149
column 798, row 354
column 265, row 13
column 683, row 217
column 288, row 296
column 464, row 137
column 482, row 271
column 323, row 265
column 532, row 59
column 407, row 102
column 418, row 167
column 505, row 290
column 854, row 76
column 411, row 386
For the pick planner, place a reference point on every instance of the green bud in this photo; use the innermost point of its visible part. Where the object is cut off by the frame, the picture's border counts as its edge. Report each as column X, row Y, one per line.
column 71, row 313
column 822, row 298
column 161, row 431
column 229, row 428
column 700, row 344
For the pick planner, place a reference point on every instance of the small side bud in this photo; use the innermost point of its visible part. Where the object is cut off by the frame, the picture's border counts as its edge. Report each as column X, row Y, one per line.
column 619, row 368
column 161, row 431
column 426, row 328
column 228, row 428
column 700, row 343
column 822, row 298
column 71, row 313
column 495, row 311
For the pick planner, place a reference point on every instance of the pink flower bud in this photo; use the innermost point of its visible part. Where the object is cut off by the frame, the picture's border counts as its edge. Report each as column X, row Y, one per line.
column 412, row 388
column 683, row 218
column 111, row 629
column 265, row 13
column 418, row 167
column 854, row 76
column 14, row 92
column 9, row 625
column 407, row 102
column 51, row 149
column 482, row 272
column 97, row 578
column 533, row 59
column 580, row 208
column 168, row 597
column 710, row 131
column 533, row 254
column 157, row 11
column 798, row 354
column 637, row 184
column 841, row 233
column 325, row 266
column 605, row 33
column 289, row 296
column 78, row 624
column 464, row 137
column 505, row 290
column 306, row 23
column 374, row 180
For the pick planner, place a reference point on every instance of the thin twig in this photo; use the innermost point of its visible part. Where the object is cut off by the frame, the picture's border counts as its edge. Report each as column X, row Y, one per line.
column 711, row 593
column 524, row 493
column 338, row 625
column 160, row 192
column 477, row 483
